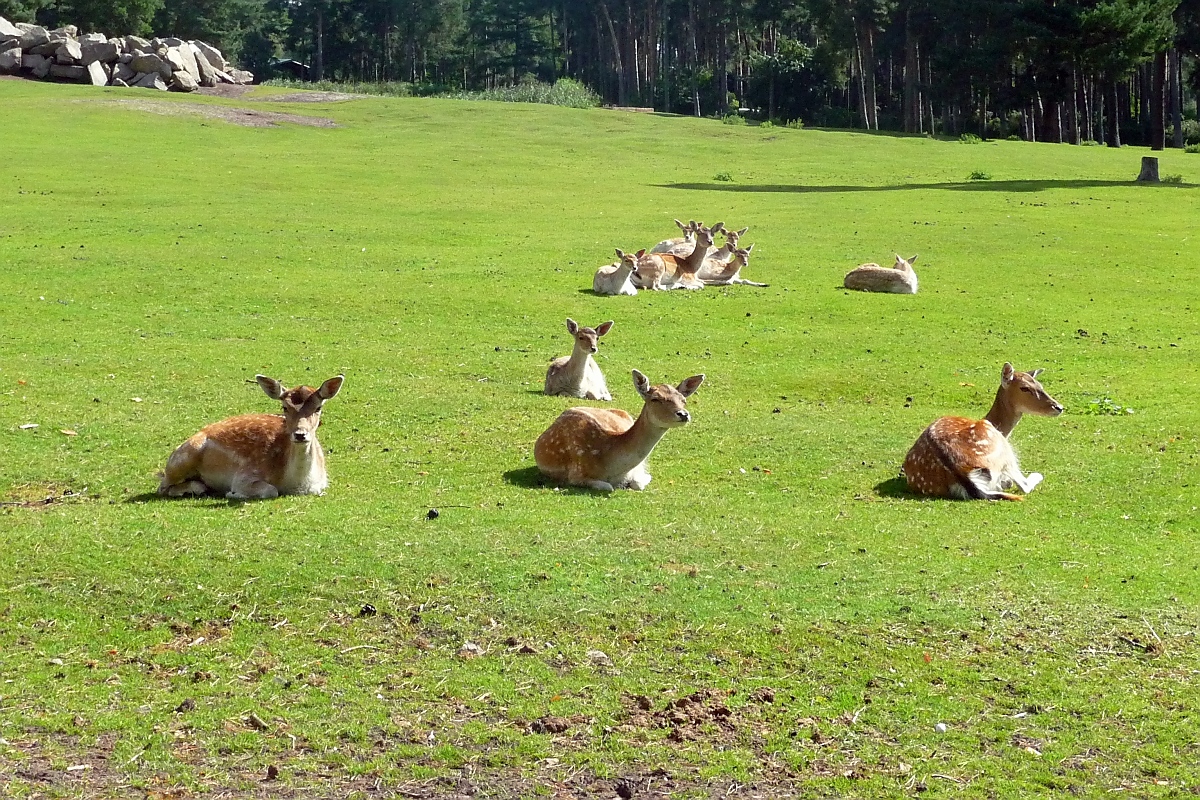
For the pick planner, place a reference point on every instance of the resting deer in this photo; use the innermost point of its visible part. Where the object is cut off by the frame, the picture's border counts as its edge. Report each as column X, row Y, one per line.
column 972, row 460
column 725, row 275
column 256, row 456
column 578, row 375
column 724, row 253
column 900, row 279
column 665, row 271
column 615, row 278
column 679, row 246
column 604, row 448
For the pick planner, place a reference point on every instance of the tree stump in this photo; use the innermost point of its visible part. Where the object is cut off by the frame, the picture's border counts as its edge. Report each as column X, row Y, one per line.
column 1149, row 171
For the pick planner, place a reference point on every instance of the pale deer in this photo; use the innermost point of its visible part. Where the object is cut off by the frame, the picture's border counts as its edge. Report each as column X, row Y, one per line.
column 578, row 375
column 256, row 456
column 604, row 448
column 615, row 278
column 900, row 279
column 724, row 254
column 661, row 271
column 728, row 274
column 680, row 245
column 972, row 459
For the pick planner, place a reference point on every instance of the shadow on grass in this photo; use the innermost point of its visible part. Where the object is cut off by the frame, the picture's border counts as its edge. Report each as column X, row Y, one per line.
column 532, row 478
column 963, row 186
column 155, row 497
column 896, row 487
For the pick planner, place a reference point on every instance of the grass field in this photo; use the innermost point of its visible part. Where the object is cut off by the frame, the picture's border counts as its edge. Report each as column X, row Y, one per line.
column 771, row 617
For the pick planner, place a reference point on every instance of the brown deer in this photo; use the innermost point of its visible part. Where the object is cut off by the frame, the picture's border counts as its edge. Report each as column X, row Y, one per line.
column 578, row 375
column 724, row 254
column 728, row 274
column 615, row 278
column 605, row 448
column 679, row 246
column 900, row 279
column 972, row 459
column 660, row 271
column 256, row 456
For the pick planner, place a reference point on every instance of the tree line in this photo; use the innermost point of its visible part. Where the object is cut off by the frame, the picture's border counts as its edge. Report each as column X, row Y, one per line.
column 1047, row 70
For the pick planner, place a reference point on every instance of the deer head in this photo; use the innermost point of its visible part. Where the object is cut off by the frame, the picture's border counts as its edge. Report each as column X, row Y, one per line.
column 904, row 265
column 301, row 405
column 666, row 406
column 1025, row 394
column 588, row 339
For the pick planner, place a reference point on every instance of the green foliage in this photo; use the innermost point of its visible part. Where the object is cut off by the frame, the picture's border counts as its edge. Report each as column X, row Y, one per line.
column 733, row 119
column 723, row 176
column 1105, row 406
column 979, row 175
column 113, row 17
column 969, row 138
column 380, row 88
column 1192, row 148
column 766, row 124
column 1172, row 179
column 795, row 124
column 563, row 92
column 1191, row 131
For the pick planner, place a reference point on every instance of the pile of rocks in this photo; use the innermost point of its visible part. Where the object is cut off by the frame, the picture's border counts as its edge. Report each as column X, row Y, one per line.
column 124, row 61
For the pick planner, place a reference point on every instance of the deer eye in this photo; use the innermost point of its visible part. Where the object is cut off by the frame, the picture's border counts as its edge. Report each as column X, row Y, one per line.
column 1026, row 389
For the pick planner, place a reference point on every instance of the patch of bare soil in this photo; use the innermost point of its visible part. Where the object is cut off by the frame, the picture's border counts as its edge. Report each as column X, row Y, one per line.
column 248, row 117
column 235, row 91
column 40, row 495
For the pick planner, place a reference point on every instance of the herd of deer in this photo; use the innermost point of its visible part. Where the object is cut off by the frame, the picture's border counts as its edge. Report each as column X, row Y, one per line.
column 258, row 456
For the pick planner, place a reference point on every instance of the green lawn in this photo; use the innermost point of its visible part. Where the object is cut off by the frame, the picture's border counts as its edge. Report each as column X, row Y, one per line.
column 821, row 621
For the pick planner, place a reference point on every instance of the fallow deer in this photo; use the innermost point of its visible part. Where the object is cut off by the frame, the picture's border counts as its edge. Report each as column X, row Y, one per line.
column 973, row 460
column 615, row 278
column 605, row 448
column 725, row 275
column 660, row 271
column 900, row 279
column 256, row 456
column 679, row 246
column 724, row 254
column 578, row 375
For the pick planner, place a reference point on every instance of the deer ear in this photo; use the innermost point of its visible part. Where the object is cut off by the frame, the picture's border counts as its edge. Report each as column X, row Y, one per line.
column 330, row 387
column 720, row 226
column 912, row 260
column 604, row 328
column 641, row 383
column 689, row 385
column 273, row 388
column 640, row 253
column 680, row 224
column 1035, row 373
column 748, row 249
column 1007, row 373
column 742, row 232
column 620, row 253
column 572, row 326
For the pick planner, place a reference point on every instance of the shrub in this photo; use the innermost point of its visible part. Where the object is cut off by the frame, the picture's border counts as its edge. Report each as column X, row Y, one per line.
column 1191, row 131
column 796, row 124
column 766, row 123
column 1175, row 179
column 733, row 119
column 1192, row 148
column 723, row 176
column 563, row 92
column 979, row 175
column 969, row 138
column 1105, row 406
column 384, row 88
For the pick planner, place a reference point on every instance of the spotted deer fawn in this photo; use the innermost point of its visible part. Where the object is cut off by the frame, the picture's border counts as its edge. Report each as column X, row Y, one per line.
column 712, row 274
column 679, row 246
column 900, row 279
column 972, row 460
column 664, row 271
column 256, row 456
column 578, row 375
column 615, row 278
column 605, row 448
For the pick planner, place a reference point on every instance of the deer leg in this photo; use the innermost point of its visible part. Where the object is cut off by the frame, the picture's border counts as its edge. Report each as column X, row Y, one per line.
column 248, row 487
column 600, row 486
column 1027, row 483
column 192, row 487
column 638, row 478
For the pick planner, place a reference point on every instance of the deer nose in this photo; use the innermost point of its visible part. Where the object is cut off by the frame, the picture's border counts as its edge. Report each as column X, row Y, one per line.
column 1057, row 406
column 683, row 415
column 300, row 436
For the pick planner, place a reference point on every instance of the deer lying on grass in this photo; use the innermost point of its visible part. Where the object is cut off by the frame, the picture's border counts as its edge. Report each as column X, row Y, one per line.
column 256, row 456
column 724, row 253
column 972, row 460
column 578, row 375
column 615, row 278
column 679, row 246
column 604, row 448
column 660, row 271
column 900, row 279
column 713, row 274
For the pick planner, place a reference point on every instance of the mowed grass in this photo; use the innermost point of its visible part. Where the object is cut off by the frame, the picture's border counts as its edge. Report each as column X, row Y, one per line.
column 824, row 621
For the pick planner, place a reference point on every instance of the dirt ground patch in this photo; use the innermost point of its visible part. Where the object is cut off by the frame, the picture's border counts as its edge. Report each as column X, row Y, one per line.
column 235, row 91
column 249, row 117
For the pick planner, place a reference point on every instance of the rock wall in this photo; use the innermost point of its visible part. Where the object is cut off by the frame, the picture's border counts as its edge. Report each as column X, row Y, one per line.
column 123, row 61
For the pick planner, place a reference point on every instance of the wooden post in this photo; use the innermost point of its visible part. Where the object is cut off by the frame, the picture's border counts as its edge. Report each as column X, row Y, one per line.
column 1149, row 171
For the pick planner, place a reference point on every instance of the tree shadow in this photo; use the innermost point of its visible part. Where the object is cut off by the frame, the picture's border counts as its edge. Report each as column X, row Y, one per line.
column 962, row 186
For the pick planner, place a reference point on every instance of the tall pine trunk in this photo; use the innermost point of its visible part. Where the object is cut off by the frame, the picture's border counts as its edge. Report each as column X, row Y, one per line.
column 1158, row 106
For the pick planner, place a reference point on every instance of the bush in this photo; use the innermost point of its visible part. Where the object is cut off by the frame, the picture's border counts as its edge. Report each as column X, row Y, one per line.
column 733, row 119
column 384, row 88
column 1175, row 179
column 970, row 138
column 563, row 92
column 979, row 175
column 796, row 124
column 1192, row 148
column 723, row 176
column 1191, row 131
column 766, row 123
